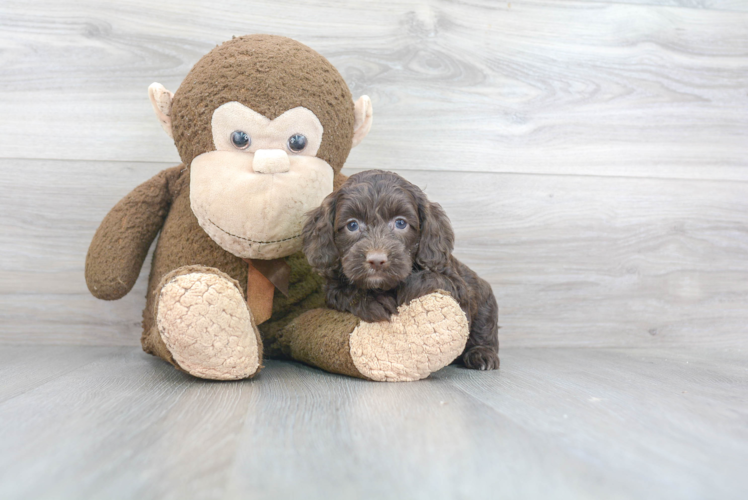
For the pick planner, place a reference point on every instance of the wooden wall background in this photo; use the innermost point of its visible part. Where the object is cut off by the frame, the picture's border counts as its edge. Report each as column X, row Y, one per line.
column 593, row 155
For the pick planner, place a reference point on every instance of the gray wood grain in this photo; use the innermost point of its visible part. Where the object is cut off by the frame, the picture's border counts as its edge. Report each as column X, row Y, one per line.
column 52, row 210
column 725, row 5
column 574, row 260
column 552, row 423
column 539, row 87
column 592, row 158
column 24, row 368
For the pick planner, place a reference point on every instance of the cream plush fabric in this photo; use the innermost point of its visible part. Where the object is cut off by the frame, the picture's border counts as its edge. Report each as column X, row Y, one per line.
column 254, row 215
column 424, row 336
column 207, row 327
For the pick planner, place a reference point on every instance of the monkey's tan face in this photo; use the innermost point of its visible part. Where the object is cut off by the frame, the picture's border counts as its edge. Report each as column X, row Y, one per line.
column 251, row 194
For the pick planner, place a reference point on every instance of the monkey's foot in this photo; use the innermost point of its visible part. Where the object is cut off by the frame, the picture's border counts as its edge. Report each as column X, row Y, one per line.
column 207, row 327
column 424, row 336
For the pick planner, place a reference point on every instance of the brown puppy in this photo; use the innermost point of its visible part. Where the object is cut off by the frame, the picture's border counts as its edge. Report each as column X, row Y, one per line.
column 380, row 243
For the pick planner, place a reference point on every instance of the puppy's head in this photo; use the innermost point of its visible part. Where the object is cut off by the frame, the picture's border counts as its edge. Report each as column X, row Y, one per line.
column 375, row 229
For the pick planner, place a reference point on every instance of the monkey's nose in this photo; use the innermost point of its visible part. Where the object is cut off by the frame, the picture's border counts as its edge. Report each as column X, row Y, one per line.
column 270, row 161
column 377, row 260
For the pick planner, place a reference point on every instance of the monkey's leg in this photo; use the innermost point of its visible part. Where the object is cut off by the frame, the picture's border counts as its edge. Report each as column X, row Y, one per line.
column 203, row 325
column 423, row 337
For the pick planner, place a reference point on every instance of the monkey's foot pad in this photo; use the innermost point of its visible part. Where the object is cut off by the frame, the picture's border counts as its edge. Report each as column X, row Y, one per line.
column 424, row 336
column 206, row 325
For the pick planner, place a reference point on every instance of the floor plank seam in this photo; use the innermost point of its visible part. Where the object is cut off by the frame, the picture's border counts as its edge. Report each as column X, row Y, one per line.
column 47, row 380
column 440, row 171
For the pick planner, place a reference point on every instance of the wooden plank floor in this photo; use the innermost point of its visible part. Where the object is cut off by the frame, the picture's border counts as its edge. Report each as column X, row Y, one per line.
column 593, row 157
column 113, row 422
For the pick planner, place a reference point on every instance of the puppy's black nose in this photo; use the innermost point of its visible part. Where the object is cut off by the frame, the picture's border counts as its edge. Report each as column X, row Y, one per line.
column 377, row 260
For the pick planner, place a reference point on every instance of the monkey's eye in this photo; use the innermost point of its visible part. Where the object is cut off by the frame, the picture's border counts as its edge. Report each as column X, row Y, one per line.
column 401, row 223
column 352, row 226
column 296, row 142
column 240, row 139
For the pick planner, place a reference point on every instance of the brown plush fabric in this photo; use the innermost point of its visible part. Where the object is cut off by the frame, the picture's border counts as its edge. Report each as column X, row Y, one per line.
column 184, row 243
column 321, row 338
column 304, row 293
column 338, row 181
column 121, row 243
column 270, row 74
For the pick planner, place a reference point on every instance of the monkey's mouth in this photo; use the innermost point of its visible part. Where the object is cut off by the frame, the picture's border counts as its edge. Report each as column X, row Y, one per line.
column 251, row 240
column 255, row 215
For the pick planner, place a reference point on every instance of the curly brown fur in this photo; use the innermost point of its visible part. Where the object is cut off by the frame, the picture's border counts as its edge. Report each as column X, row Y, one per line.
column 380, row 243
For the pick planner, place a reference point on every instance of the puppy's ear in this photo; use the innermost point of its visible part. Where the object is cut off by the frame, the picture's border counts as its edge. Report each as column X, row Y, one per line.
column 319, row 238
column 437, row 238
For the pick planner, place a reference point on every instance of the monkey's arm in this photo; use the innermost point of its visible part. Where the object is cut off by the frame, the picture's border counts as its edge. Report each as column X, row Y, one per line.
column 121, row 243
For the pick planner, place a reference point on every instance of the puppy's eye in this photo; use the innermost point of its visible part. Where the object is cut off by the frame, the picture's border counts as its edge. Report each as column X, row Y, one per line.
column 240, row 139
column 352, row 226
column 296, row 143
column 401, row 223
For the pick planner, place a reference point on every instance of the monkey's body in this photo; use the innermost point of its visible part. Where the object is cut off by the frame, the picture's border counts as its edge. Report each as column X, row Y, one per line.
column 184, row 243
column 241, row 193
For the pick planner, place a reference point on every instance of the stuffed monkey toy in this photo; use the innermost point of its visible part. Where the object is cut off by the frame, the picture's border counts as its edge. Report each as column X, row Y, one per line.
column 263, row 125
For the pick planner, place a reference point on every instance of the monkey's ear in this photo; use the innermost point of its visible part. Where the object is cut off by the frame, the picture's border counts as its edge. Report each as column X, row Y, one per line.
column 362, row 124
column 161, row 100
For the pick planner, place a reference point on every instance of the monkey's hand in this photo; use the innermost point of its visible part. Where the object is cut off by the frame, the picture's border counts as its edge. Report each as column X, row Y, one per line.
column 121, row 243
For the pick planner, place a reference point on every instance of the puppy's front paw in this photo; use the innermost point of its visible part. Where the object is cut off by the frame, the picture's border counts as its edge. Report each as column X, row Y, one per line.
column 408, row 293
column 481, row 358
column 420, row 284
column 373, row 312
column 389, row 303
